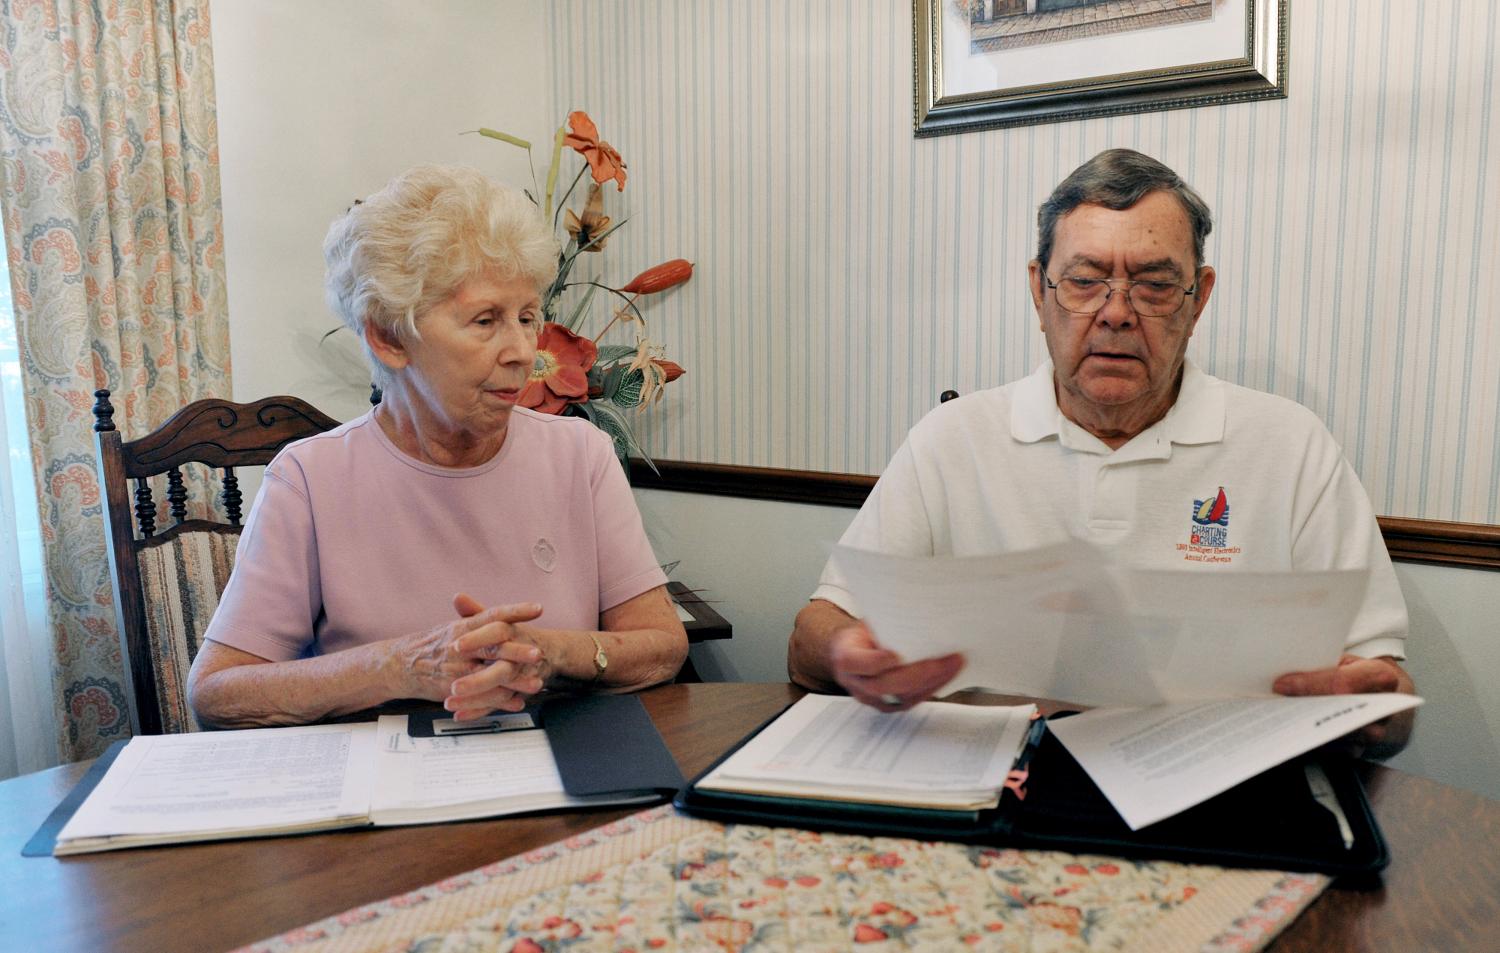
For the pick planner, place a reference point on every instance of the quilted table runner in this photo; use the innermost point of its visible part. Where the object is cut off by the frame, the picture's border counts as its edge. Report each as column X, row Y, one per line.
column 661, row 881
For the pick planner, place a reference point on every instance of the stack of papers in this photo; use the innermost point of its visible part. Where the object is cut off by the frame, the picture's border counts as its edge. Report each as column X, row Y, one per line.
column 1065, row 623
column 172, row 789
column 1179, row 664
column 937, row 756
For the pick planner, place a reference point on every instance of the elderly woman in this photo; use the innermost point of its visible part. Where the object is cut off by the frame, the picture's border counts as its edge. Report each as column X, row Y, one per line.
column 343, row 593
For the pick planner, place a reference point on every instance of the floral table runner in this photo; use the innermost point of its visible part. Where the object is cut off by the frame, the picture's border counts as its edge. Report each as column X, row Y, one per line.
column 661, row 881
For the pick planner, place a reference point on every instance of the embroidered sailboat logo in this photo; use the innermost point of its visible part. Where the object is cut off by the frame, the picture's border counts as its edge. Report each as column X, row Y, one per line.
column 1210, row 526
column 1213, row 510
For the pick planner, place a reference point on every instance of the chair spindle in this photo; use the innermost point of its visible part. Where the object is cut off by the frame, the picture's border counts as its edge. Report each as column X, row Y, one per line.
column 177, row 494
column 145, row 507
column 231, row 496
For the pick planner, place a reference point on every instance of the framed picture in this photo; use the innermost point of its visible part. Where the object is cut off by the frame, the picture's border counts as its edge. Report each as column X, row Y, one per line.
column 987, row 63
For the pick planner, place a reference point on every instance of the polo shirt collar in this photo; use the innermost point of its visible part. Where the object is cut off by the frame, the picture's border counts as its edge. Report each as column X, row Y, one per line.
column 1197, row 417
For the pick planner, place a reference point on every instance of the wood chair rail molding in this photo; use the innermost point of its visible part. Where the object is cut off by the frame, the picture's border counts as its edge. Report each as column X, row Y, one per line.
column 1474, row 545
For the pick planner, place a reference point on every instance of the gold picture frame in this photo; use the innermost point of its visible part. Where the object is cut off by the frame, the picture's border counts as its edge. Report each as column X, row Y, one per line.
column 984, row 64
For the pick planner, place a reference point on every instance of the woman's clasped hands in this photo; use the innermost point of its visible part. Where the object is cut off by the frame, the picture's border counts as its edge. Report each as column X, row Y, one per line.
column 486, row 659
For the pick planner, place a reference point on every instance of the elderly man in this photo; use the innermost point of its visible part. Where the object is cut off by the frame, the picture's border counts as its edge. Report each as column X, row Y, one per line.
column 1120, row 440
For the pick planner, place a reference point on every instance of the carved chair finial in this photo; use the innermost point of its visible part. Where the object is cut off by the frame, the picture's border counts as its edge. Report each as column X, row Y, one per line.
column 104, row 412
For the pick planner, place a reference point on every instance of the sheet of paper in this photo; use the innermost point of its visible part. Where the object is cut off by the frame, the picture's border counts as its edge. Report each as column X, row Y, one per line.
column 271, row 778
column 1154, row 762
column 836, row 747
column 1063, row 623
column 455, row 777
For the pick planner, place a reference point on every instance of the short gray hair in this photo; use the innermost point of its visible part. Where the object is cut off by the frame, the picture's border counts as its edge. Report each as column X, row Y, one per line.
column 393, row 256
column 1117, row 179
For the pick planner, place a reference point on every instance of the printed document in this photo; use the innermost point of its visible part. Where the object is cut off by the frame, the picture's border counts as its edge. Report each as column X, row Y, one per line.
column 935, row 755
column 1064, row 623
column 168, row 789
column 1180, row 664
column 464, row 776
column 215, row 783
column 1154, row 762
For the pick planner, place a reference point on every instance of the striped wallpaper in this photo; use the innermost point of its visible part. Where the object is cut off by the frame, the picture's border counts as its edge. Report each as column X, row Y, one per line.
column 847, row 273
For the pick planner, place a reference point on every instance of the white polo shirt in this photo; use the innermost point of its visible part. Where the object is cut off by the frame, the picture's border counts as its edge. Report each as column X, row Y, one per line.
column 1230, row 480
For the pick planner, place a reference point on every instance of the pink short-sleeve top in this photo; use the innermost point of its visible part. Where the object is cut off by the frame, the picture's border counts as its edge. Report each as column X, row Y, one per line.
column 351, row 541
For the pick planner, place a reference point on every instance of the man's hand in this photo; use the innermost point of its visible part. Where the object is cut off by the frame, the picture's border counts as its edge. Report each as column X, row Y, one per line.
column 877, row 677
column 1355, row 676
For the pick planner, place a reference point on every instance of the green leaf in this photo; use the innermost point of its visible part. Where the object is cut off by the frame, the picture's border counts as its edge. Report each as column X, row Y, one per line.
column 611, row 419
column 612, row 378
column 628, row 392
column 581, row 310
column 609, row 353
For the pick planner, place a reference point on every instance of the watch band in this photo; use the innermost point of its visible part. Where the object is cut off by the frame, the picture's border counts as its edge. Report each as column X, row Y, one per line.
column 601, row 661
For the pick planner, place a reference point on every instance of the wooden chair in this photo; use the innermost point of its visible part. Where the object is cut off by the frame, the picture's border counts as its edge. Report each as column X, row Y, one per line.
column 167, row 584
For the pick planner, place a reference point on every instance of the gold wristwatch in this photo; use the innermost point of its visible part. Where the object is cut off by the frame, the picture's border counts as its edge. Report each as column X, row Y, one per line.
column 601, row 661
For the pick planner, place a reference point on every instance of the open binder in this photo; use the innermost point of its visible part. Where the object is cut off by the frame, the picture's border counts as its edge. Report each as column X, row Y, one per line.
column 1270, row 821
column 606, row 750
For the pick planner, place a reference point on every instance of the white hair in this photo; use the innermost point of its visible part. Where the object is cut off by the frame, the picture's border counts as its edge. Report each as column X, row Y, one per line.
column 393, row 256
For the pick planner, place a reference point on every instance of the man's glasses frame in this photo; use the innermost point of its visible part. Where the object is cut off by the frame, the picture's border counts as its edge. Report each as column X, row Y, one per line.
column 1079, row 294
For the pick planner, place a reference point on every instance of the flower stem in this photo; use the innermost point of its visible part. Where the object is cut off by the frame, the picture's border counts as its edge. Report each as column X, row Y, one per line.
column 628, row 304
column 564, row 200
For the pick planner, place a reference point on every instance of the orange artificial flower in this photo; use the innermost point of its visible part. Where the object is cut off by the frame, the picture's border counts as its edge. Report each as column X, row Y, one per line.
column 559, row 376
column 668, row 274
column 588, row 231
column 604, row 161
column 670, row 369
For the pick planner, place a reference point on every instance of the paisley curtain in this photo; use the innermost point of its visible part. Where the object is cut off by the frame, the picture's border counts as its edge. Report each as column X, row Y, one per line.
column 109, row 188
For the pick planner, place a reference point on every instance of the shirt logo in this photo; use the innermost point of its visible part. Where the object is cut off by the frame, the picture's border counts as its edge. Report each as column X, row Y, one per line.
column 1210, row 525
column 1208, row 532
column 544, row 554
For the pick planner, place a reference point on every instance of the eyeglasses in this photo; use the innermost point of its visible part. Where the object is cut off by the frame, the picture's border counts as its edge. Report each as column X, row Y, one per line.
column 1154, row 299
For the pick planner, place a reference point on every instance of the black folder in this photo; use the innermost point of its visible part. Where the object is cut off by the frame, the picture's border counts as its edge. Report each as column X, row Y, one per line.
column 1270, row 821
column 603, row 744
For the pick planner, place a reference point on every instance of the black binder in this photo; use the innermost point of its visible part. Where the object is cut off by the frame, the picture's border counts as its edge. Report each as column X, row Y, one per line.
column 1269, row 821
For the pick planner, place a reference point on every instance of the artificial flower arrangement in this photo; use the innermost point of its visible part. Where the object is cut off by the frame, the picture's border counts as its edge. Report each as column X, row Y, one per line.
column 575, row 374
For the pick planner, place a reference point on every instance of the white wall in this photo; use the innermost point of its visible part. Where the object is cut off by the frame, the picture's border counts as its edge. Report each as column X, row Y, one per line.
column 323, row 102
column 845, row 266
column 756, row 562
column 1454, row 657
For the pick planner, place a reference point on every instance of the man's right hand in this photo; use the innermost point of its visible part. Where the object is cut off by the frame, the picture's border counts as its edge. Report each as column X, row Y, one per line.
column 878, row 677
column 831, row 650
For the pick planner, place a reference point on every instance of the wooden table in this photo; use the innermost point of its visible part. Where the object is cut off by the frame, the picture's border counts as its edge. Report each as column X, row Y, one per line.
column 1441, row 892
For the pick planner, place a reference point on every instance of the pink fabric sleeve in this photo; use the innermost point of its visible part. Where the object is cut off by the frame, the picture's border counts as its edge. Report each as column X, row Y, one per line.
column 273, row 598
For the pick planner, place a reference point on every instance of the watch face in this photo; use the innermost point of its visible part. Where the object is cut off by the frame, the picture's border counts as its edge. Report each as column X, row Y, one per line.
column 601, row 661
